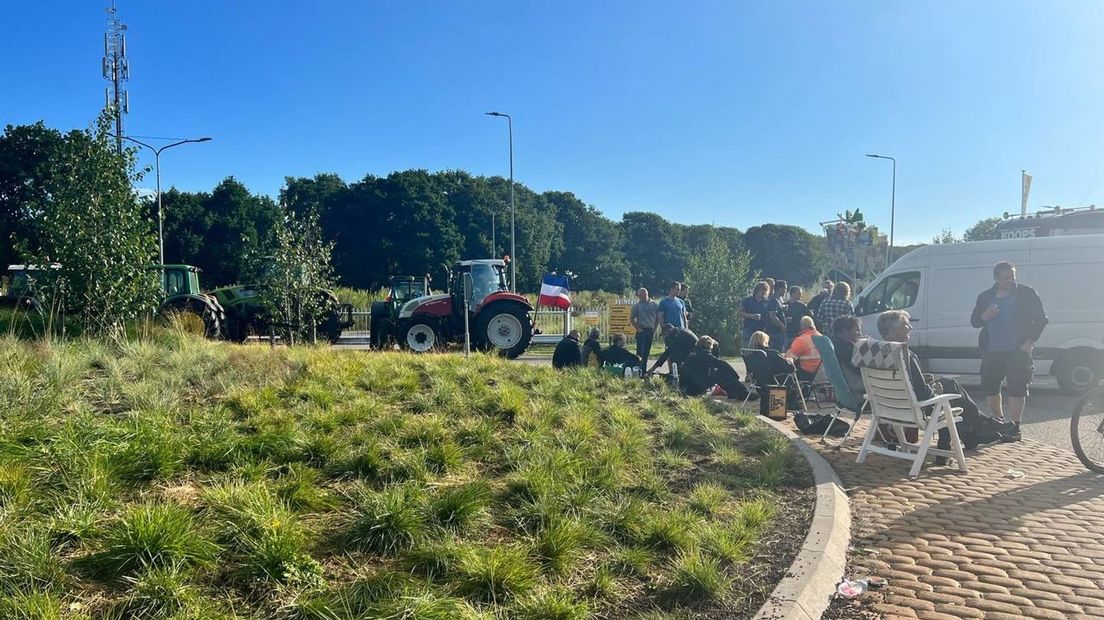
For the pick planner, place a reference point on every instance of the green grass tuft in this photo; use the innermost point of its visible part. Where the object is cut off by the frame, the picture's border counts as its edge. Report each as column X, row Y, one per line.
column 696, row 577
column 558, row 544
column 551, row 604
column 459, row 506
column 669, row 530
column 150, row 535
column 387, row 521
column 496, row 573
column 708, row 497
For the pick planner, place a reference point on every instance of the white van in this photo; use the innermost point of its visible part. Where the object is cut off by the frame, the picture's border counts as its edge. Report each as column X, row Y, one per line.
column 939, row 284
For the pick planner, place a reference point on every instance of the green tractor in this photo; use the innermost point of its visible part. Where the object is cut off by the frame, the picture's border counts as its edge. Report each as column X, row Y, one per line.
column 198, row 312
column 246, row 316
column 23, row 282
column 384, row 326
column 235, row 312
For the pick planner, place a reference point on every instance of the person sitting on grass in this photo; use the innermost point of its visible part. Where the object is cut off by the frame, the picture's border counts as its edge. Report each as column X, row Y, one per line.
column 568, row 353
column 592, row 349
column 617, row 354
column 701, row 371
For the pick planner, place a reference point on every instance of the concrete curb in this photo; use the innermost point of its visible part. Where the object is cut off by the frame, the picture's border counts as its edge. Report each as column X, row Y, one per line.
column 808, row 587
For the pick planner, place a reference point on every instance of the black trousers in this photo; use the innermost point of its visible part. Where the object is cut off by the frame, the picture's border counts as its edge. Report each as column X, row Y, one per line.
column 696, row 380
column 644, row 346
column 970, row 411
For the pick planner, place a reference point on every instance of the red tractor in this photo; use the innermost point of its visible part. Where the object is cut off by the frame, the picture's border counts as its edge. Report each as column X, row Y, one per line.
column 498, row 319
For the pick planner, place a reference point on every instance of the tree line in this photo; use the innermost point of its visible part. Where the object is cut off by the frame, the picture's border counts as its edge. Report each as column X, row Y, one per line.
column 414, row 221
column 407, row 223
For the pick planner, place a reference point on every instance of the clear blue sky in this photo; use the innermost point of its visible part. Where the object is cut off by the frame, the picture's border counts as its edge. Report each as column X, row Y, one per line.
column 735, row 113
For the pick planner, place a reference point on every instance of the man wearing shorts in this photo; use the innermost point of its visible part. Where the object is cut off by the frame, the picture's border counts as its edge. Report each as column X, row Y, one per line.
column 1011, row 318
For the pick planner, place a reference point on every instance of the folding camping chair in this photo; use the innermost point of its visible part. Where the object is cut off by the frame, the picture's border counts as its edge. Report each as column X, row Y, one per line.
column 892, row 401
column 760, row 376
column 845, row 399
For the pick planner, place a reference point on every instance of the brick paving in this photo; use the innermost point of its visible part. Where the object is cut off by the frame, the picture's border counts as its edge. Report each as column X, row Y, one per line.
column 981, row 544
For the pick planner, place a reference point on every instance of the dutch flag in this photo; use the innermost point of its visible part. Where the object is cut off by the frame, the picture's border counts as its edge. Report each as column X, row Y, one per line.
column 554, row 292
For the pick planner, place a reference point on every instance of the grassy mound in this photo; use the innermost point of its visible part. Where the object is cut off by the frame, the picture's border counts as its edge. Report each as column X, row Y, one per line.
column 177, row 478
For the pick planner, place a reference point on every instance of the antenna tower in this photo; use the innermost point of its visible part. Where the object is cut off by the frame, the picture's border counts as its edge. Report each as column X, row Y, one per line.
column 116, row 69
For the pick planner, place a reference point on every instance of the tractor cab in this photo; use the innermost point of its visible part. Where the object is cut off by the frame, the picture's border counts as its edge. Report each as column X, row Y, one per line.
column 23, row 284
column 179, row 280
column 488, row 276
column 405, row 288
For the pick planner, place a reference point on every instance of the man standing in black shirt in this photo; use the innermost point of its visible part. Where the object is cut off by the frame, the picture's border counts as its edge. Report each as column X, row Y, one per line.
column 795, row 309
column 825, row 293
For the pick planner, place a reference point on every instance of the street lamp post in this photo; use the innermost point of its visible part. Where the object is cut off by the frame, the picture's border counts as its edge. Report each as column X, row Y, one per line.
column 513, row 254
column 157, row 167
column 892, row 202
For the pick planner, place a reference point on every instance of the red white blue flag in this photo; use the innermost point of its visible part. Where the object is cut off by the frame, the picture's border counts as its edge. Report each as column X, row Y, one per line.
column 554, row 292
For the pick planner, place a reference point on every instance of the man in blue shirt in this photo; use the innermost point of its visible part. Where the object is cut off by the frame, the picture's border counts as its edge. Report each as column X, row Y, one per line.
column 1011, row 318
column 672, row 308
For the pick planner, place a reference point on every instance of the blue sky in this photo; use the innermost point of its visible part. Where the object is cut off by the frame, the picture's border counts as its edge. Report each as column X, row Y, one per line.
column 735, row 113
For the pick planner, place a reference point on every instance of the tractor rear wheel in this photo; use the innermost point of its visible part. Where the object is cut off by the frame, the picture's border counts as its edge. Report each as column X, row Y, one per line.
column 506, row 328
column 420, row 336
column 194, row 319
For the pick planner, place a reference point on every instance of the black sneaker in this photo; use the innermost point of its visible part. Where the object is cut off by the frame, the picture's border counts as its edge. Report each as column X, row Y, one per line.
column 1015, row 436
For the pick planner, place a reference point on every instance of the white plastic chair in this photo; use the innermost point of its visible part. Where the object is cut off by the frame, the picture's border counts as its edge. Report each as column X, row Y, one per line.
column 893, row 402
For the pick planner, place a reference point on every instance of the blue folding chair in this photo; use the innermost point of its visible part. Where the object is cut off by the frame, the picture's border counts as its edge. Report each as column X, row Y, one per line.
column 845, row 399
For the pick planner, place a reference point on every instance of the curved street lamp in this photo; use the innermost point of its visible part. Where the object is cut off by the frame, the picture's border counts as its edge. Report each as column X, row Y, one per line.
column 513, row 254
column 892, row 202
column 157, row 166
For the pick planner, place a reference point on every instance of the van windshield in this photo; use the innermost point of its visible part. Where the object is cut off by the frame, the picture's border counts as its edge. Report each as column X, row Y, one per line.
column 896, row 292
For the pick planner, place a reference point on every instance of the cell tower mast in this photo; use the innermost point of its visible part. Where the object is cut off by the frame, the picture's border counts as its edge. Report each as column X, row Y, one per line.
column 116, row 69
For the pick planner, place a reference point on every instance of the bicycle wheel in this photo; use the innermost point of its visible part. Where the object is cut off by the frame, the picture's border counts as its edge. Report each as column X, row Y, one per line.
column 1087, row 429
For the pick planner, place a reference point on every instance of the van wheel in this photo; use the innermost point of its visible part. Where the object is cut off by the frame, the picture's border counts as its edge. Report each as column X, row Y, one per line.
column 1079, row 370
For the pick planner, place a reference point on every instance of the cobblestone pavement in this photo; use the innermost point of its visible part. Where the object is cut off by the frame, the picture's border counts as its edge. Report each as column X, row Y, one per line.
column 983, row 544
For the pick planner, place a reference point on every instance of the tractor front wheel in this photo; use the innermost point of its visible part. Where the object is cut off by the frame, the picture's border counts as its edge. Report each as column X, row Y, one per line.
column 420, row 336
column 506, row 328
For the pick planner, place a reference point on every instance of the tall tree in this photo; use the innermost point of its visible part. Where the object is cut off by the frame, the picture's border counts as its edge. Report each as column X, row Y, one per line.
column 719, row 277
column 654, row 248
column 187, row 223
column 27, row 174
column 592, row 247
column 785, row 252
column 92, row 223
column 240, row 223
column 983, row 230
